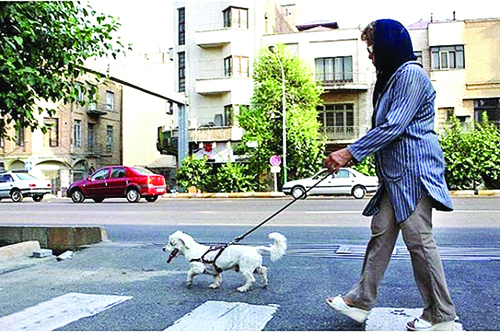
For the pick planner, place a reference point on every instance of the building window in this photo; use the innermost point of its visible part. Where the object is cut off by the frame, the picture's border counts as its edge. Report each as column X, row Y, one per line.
column 90, row 137
column 182, row 25
column 1, row 142
column 77, row 133
column 81, row 92
column 490, row 107
column 51, row 137
column 447, row 57
column 182, row 71
column 337, row 69
column 110, row 100
column 20, row 137
column 235, row 17
column 418, row 54
column 228, row 115
column 337, row 121
column 109, row 138
column 237, row 66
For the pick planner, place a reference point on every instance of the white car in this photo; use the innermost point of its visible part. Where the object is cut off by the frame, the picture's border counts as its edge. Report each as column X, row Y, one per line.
column 20, row 185
column 346, row 182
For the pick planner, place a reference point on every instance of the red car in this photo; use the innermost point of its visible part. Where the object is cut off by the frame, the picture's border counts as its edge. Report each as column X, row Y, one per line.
column 119, row 181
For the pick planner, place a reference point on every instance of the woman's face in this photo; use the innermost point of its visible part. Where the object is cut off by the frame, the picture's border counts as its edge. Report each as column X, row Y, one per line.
column 371, row 54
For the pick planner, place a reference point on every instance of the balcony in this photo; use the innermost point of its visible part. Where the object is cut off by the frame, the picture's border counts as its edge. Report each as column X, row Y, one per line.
column 97, row 109
column 223, row 85
column 340, row 81
column 166, row 143
column 340, row 133
column 220, row 37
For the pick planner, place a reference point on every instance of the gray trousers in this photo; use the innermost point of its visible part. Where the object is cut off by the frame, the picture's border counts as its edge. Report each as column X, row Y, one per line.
column 426, row 261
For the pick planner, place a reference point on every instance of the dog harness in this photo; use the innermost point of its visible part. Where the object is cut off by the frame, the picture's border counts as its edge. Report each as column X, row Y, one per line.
column 212, row 262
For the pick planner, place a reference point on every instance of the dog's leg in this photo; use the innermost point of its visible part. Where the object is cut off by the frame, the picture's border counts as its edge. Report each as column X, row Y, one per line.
column 263, row 271
column 191, row 274
column 249, row 281
column 217, row 281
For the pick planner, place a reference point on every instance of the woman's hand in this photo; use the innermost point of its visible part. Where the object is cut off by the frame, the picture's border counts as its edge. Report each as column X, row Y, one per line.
column 338, row 159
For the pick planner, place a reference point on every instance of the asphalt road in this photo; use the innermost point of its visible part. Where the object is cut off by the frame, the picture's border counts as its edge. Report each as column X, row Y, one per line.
column 315, row 211
column 133, row 265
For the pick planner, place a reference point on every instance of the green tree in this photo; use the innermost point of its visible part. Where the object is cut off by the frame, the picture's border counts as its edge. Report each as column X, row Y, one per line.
column 263, row 121
column 195, row 172
column 43, row 46
column 472, row 156
column 234, row 177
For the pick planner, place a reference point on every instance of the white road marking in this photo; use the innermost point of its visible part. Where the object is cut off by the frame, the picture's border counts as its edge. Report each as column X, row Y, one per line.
column 359, row 211
column 393, row 319
column 59, row 312
column 225, row 316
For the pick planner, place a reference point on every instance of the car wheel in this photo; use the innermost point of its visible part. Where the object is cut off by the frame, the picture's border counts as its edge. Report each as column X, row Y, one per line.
column 151, row 198
column 133, row 195
column 77, row 196
column 38, row 198
column 16, row 195
column 98, row 199
column 358, row 192
column 299, row 192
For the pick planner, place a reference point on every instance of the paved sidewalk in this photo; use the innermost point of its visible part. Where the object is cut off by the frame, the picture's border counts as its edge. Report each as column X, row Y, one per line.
column 278, row 194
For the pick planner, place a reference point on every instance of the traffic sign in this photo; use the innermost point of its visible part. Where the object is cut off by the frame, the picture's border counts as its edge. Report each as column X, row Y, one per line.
column 275, row 160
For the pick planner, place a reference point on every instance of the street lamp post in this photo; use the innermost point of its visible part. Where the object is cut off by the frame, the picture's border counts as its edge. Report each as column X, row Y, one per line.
column 272, row 48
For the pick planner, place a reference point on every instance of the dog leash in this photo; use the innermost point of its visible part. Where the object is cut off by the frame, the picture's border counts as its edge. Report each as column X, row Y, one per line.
column 241, row 237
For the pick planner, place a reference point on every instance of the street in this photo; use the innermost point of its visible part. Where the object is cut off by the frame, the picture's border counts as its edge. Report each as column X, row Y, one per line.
column 132, row 264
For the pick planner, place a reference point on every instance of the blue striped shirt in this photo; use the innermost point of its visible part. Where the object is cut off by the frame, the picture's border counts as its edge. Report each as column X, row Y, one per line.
column 408, row 157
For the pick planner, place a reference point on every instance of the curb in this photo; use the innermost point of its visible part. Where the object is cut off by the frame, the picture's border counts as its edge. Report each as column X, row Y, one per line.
column 22, row 249
column 227, row 195
column 453, row 193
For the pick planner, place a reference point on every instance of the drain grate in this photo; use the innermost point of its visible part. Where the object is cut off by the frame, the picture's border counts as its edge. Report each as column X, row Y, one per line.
column 358, row 252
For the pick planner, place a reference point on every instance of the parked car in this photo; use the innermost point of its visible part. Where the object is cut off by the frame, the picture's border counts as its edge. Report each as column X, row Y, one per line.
column 346, row 181
column 119, row 181
column 19, row 185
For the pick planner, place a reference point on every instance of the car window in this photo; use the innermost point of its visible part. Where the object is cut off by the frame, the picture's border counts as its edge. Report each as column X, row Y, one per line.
column 343, row 174
column 118, row 173
column 25, row 176
column 100, row 174
column 6, row 178
column 142, row 171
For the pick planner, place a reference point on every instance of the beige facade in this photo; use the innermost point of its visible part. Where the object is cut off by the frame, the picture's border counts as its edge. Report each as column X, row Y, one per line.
column 78, row 141
column 462, row 59
column 340, row 63
column 143, row 112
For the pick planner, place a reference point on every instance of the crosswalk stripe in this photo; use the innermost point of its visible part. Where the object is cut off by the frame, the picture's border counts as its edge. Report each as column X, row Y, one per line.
column 394, row 319
column 225, row 316
column 58, row 312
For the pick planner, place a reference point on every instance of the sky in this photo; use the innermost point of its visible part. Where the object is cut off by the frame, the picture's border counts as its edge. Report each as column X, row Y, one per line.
column 148, row 24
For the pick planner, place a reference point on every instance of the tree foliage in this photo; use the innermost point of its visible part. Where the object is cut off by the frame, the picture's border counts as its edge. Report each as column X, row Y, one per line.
column 43, row 46
column 263, row 121
column 472, row 155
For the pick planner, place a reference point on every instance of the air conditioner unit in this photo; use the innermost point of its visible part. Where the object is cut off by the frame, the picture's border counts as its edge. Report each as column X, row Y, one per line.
column 192, row 123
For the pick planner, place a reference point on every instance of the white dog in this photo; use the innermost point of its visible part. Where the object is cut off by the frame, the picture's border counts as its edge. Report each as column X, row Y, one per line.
column 213, row 260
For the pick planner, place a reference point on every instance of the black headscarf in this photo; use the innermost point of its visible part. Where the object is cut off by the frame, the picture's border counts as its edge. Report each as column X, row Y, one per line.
column 392, row 47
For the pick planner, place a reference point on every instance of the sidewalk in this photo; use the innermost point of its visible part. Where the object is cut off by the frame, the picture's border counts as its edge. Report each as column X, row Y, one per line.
column 278, row 194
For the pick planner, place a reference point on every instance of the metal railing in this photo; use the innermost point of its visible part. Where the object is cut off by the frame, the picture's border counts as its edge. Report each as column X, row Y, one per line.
column 340, row 132
column 339, row 78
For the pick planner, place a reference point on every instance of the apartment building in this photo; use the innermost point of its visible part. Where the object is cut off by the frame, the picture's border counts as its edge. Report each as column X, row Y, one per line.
column 341, row 65
column 78, row 140
column 462, row 59
column 215, row 45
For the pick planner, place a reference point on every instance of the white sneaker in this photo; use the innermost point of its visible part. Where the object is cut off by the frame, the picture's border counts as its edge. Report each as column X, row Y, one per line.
column 419, row 324
column 355, row 313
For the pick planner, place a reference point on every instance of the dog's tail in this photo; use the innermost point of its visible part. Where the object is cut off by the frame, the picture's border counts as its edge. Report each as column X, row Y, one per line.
column 277, row 248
